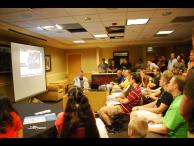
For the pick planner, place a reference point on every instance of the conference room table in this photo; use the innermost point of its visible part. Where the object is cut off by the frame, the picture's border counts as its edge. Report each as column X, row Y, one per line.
column 25, row 108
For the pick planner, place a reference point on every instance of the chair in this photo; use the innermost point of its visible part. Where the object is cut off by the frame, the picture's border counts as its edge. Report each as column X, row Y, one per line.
column 118, row 121
column 55, row 92
column 96, row 99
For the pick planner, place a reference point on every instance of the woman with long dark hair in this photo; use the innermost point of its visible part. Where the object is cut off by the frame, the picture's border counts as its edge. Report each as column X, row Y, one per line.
column 78, row 120
column 10, row 123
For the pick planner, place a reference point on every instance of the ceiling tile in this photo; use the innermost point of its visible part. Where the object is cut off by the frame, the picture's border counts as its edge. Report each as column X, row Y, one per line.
column 113, row 16
column 187, row 12
column 159, row 12
column 80, row 11
column 93, row 26
column 63, row 20
column 83, row 18
column 96, row 31
column 22, row 24
column 5, row 11
column 40, row 22
column 50, row 12
column 20, row 16
column 160, row 19
column 140, row 9
column 110, row 10
column 139, row 15
column 83, row 35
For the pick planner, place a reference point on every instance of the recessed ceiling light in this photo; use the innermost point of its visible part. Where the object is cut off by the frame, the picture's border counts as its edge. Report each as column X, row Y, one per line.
column 164, row 32
column 39, row 28
column 137, row 21
column 100, row 35
column 59, row 26
column 50, row 27
column 79, row 41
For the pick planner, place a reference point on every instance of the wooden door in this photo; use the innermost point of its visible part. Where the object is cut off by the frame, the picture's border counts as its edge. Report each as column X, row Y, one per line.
column 74, row 65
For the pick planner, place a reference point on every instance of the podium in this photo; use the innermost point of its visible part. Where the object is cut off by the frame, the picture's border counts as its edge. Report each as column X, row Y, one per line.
column 103, row 78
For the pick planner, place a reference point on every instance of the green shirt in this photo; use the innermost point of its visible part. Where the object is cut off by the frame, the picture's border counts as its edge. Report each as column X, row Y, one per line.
column 174, row 121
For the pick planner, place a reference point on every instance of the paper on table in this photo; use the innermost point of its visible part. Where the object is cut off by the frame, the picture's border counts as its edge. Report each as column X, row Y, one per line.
column 39, row 118
column 34, row 119
column 50, row 117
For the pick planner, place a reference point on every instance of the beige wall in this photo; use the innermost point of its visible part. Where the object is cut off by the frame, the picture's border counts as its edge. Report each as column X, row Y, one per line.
column 88, row 60
column 58, row 63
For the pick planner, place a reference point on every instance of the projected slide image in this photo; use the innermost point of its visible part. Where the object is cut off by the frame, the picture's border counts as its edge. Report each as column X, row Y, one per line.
column 30, row 63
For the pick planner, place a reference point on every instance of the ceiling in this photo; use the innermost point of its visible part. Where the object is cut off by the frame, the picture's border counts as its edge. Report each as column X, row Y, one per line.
column 95, row 21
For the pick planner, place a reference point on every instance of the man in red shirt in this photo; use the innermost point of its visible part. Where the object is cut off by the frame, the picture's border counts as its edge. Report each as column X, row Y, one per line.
column 126, row 103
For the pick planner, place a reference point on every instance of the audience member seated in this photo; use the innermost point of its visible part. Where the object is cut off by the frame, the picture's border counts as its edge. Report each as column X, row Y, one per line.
column 55, row 92
column 144, row 78
column 126, row 104
column 156, row 109
column 119, row 78
column 77, row 120
column 137, row 127
column 81, row 81
column 174, row 125
column 103, row 67
column 10, row 122
column 187, row 103
column 124, row 84
column 154, row 83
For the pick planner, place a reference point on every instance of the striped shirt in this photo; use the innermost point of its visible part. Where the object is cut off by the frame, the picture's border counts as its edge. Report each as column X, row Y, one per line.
column 134, row 100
